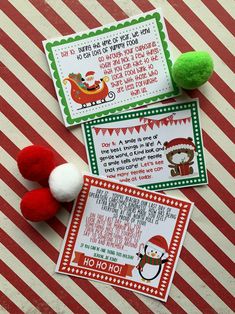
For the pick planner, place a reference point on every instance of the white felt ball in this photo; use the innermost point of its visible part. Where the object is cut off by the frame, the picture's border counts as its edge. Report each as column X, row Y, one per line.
column 65, row 182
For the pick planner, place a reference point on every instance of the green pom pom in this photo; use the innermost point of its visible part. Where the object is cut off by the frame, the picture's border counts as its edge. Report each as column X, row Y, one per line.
column 192, row 69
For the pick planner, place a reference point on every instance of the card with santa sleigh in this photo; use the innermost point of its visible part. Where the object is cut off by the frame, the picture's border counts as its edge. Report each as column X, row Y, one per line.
column 113, row 68
column 124, row 236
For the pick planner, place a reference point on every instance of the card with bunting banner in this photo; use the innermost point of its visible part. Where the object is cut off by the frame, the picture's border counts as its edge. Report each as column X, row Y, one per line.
column 157, row 148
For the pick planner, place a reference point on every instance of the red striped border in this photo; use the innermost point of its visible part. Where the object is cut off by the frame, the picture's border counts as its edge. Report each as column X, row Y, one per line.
column 22, row 287
column 204, row 32
column 8, row 305
column 216, row 8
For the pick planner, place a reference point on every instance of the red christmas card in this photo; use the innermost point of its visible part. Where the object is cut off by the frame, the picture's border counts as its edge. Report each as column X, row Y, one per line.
column 125, row 236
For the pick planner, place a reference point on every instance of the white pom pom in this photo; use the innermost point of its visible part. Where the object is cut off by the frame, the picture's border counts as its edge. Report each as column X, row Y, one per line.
column 65, row 182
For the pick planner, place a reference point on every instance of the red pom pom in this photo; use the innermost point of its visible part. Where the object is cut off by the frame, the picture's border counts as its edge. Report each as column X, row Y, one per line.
column 36, row 163
column 39, row 205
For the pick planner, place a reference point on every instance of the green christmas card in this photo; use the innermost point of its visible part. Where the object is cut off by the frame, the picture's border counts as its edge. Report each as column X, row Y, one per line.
column 156, row 148
column 112, row 68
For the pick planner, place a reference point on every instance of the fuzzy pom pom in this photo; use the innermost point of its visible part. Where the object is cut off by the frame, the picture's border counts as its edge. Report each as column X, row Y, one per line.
column 192, row 69
column 65, row 182
column 39, row 205
column 36, row 163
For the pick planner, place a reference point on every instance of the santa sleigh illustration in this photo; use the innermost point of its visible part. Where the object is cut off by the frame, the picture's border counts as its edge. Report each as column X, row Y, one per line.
column 87, row 97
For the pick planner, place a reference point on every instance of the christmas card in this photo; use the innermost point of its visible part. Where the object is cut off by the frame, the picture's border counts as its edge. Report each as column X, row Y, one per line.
column 125, row 236
column 112, row 68
column 157, row 148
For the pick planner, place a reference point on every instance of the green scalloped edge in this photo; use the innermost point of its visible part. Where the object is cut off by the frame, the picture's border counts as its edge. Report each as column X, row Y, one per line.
column 69, row 119
column 178, row 183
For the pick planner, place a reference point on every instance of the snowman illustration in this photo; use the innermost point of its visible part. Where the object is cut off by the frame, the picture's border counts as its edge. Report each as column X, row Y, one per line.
column 151, row 261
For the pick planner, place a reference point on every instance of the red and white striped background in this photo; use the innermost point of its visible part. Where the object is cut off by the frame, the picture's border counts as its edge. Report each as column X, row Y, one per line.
column 30, row 114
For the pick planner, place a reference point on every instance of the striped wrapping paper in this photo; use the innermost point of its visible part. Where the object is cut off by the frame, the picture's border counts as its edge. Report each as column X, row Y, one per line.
column 31, row 114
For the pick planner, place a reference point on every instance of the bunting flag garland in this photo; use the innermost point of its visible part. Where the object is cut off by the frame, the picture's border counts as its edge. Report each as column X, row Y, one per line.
column 144, row 127
column 162, row 121
column 118, row 130
column 180, row 121
column 165, row 121
column 148, row 123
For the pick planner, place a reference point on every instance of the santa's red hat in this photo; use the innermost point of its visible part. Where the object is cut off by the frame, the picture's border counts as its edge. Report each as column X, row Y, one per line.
column 179, row 143
column 90, row 73
column 159, row 243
